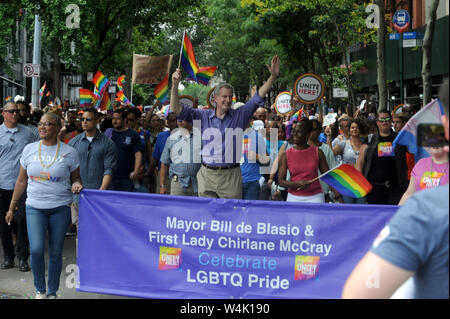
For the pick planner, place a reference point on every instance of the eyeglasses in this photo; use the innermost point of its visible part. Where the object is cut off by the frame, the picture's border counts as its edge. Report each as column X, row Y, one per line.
column 86, row 119
column 384, row 119
column 46, row 124
column 12, row 111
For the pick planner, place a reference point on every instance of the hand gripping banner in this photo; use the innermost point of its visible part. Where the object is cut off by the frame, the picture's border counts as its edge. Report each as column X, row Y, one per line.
column 160, row 246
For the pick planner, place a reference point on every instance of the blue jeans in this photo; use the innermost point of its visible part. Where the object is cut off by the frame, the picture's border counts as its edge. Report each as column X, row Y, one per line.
column 250, row 190
column 350, row 200
column 39, row 221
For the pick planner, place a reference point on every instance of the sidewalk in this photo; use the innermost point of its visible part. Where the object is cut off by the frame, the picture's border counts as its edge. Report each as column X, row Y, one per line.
column 15, row 284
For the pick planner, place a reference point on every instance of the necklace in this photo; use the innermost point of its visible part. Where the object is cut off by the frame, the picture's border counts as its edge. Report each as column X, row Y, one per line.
column 54, row 158
column 443, row 173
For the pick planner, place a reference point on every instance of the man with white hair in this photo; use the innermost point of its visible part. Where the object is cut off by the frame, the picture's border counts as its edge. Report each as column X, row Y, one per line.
column 220, row 176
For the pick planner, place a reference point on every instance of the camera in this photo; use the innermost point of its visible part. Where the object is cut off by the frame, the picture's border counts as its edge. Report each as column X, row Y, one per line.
column 431, row 135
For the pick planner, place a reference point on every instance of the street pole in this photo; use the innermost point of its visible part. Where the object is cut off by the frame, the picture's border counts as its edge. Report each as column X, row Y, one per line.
column 35, row 82
column 401, row 69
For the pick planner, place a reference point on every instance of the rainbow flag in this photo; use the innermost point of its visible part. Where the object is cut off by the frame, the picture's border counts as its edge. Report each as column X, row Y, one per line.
column 347, row 181
column 86, row 98
column 204, row 74
column 41, row 92
column 121, row 96
column 161, row 90
column 166, row 110
column 9, row 99
column 101, row 82
column 106, row 102
column 188, row 57
column 120, row 81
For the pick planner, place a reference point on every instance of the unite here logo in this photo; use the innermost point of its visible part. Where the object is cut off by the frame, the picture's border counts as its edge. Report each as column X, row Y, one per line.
column 306, row 267
column 169, row 258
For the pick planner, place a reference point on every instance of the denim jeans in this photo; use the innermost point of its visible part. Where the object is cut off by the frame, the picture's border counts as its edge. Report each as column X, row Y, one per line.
column 350, row 200
column 250, row 190
column 39, row 221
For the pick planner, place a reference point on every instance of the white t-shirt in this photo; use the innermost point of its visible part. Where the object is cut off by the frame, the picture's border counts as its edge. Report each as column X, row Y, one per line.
column 49, row 187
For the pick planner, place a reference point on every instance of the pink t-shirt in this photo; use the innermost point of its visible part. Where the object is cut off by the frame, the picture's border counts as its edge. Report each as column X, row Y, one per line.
column 304, row 165
column 428, row 174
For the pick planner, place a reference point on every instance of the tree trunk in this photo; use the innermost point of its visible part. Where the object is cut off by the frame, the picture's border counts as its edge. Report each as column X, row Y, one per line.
column 426, row 48
column 381, row 60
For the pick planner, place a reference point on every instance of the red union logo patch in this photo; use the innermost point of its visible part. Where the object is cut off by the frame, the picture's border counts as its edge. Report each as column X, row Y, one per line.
column 306, row 267
column 169, row 258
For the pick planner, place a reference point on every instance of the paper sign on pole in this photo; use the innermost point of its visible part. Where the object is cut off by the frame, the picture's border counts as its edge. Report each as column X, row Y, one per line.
column 150, row 69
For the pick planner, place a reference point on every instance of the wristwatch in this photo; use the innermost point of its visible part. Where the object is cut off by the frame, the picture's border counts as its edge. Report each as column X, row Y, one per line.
column 162, row 186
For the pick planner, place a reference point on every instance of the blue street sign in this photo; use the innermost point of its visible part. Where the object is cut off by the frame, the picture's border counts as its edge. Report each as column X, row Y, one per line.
column 409, row 35
column 401, row 20
column 394, row 36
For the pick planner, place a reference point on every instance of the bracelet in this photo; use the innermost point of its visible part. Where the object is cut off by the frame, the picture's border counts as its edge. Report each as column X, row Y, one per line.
column 162, row 186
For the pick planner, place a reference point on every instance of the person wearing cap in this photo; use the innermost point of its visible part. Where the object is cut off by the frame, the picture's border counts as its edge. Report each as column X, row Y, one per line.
column 220, row 174
column 253, row 156
column 180, row 161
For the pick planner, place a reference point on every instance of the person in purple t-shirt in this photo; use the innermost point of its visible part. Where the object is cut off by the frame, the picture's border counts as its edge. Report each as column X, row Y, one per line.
column 220, row 174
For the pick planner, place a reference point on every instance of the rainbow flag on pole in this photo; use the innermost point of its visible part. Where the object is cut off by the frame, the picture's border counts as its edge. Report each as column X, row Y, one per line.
column 347, row 180
column 161, row 90
column 41, row 92
column 101, row 82
column 106, row 102
column 120, row 81
column 204, row 74
column 86, row 97
column 187, row 57
column 121, row 97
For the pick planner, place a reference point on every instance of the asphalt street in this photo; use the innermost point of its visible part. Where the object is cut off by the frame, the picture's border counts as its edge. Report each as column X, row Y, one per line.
column 15, row 284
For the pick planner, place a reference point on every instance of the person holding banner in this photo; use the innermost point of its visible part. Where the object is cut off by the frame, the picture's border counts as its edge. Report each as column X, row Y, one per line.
column 303, row 162
column 220, row 175
column 50, row 172
column 414, row 243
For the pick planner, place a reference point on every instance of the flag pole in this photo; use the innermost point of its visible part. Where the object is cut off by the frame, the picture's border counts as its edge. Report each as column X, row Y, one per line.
column 325, row 173
column 131, row 98
column 181, row 50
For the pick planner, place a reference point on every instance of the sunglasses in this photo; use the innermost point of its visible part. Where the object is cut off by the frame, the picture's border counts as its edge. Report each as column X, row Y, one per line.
column 46, row 124
column 12, row 111
column 384, row 119
column 86, row 119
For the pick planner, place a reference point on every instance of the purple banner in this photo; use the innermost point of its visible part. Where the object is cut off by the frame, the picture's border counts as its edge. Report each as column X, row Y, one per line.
column 159, row 246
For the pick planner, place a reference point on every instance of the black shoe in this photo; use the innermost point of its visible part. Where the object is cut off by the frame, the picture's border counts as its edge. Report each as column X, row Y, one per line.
column 23, row 266
column 9, row 263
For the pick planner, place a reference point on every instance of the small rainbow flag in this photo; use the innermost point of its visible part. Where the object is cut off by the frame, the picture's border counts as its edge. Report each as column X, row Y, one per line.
column 106, row 102
column 204, row 74
column 101, row 82
column 188, row 57
column 347, row 181
column 123, row 98
column 120, row 81
column 161, row 90
column 41, row 92
column 86, row 97
column 9, row 99
column 166, row 110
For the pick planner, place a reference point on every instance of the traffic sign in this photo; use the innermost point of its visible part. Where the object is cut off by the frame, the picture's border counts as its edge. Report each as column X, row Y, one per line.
column 394, row 36
column 31, row 70
column 409, row 35
column 401, row 20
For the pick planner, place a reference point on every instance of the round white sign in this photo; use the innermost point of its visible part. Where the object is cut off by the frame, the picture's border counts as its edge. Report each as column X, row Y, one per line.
column 283, row 103
column 309, row 88
column 186, row 101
